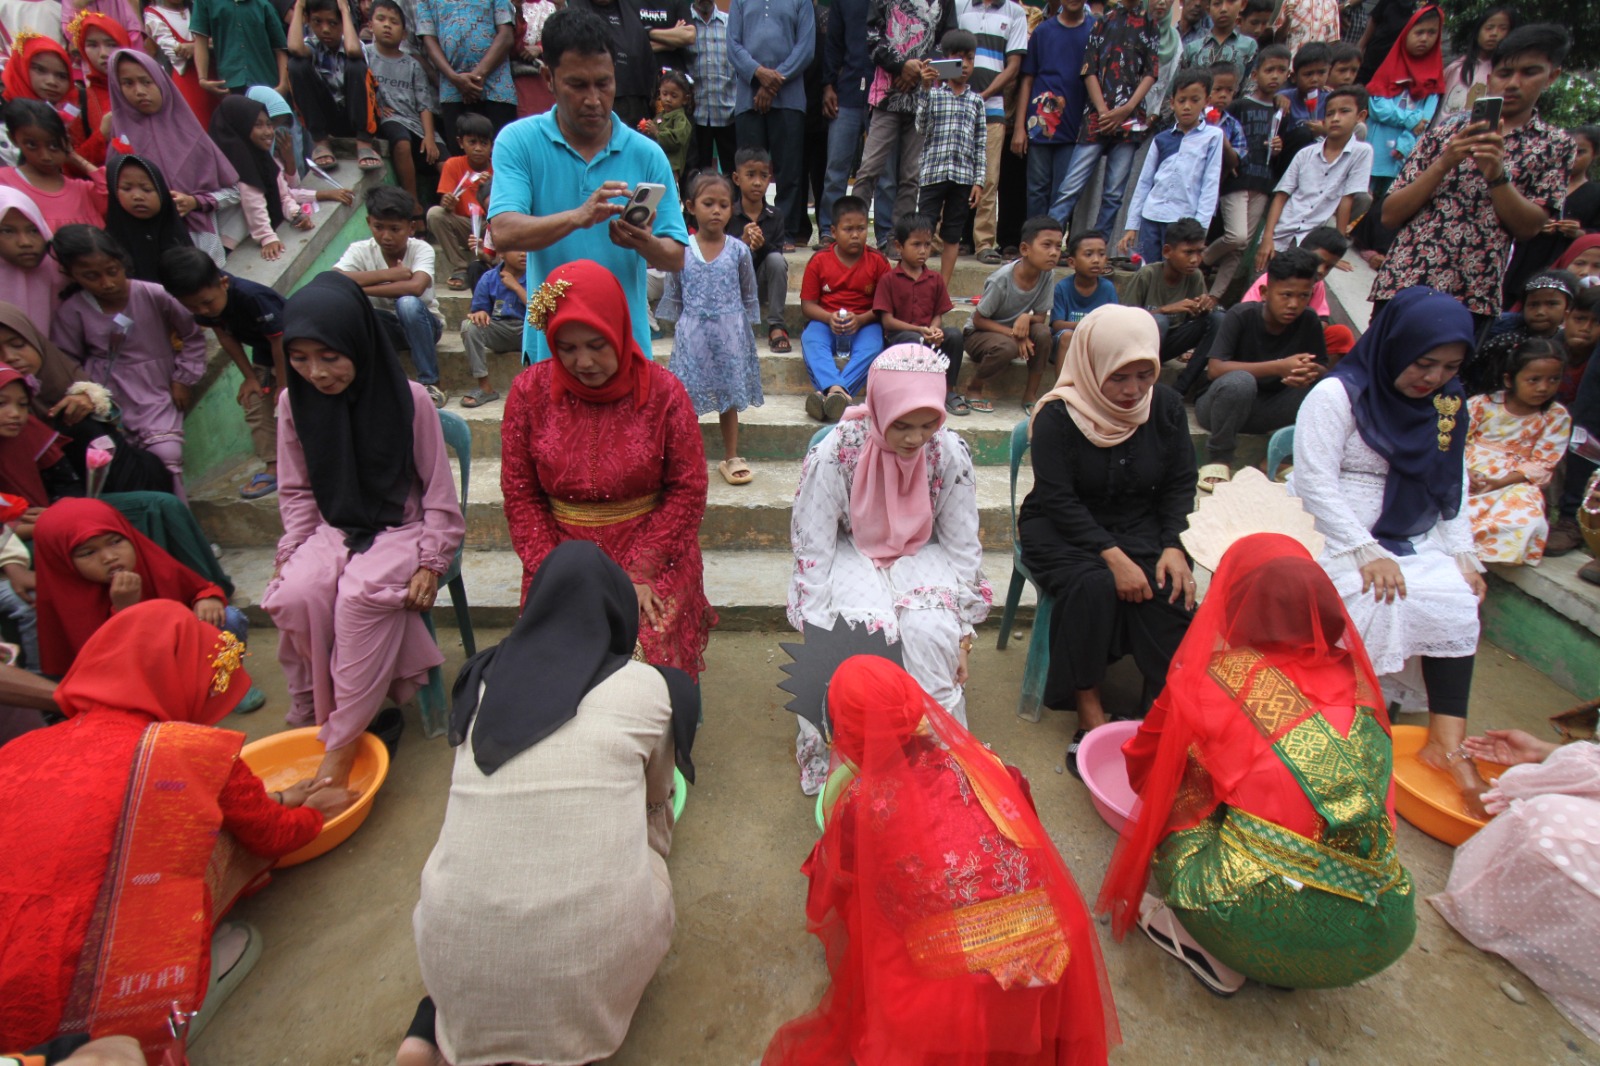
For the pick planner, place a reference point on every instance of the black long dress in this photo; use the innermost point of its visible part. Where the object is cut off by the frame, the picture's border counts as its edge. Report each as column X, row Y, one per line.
column 1136, row 496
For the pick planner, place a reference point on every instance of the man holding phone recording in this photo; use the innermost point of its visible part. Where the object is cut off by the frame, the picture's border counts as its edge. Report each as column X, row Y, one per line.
column 1471, row 187
column 563, row 179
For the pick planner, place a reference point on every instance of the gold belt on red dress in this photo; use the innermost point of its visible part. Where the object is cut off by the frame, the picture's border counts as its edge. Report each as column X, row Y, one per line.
column 603, row 512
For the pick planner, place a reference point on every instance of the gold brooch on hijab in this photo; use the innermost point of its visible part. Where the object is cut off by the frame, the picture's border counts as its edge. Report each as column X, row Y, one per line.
column 228, row 658
column 1447, row 406
column 542, row 304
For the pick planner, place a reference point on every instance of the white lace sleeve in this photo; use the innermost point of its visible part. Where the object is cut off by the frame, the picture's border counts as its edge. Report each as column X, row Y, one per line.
column 955, row 526
column 820, row 502
column 1322, row 431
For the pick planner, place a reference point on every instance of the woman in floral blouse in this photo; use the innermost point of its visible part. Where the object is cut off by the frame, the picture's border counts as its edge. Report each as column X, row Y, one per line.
column 885, row 534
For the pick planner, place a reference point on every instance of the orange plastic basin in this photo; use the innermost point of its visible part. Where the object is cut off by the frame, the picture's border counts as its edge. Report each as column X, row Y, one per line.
column 294, row 755
column 1429, row 798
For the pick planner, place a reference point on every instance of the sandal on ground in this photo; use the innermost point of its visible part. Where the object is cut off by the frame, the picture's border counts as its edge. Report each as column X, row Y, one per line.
column 1027, row 408
column 263, row 484
column 833, row 406
column 981, row 404
column 222, row 987
column 991, row 257
column 788, row 247
column 814, row 407
column 367, row 157
column 824, row 243
column 1212, row 475
column 457, row 281
column 1071, row 757
column 479, row 397
column 735, row 471
column 253, row 701
column 1167, row 933
column 778, row 340
column 323, row 156
column 956, row 404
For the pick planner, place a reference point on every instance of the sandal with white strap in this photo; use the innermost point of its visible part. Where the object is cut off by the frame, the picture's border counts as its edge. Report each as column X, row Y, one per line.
column 1164, row 929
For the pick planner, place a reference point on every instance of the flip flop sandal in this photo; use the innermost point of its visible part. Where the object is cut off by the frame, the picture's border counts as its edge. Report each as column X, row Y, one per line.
column 479, row 397
column 980, row 404
column 263, row 484
column 991, row 257
column 956, row 404
column 778, row 341
column 735, row 471
column 367, row 158
column 326, row 159
column 1167, row 933
column 833, row 406
column 1071, row 757
column 457, row 281
column 225, row 985
column 1027, row 408
column 1213, row 474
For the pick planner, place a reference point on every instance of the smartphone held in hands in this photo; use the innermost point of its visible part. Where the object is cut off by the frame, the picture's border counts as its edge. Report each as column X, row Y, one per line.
column 641, row 209
column 947, row 69
column 1487, row 109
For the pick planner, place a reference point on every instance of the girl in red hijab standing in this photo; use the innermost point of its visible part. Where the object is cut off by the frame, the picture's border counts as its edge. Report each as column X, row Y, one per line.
column 602, row 444
column 953, row 930
column 1404, row 94
column 885, row 534
column 137, row 779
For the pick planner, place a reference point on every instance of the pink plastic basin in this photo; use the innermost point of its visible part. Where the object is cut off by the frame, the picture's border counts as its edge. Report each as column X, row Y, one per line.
column 1105, row 772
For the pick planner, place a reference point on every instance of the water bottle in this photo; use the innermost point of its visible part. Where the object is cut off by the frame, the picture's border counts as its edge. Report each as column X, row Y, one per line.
column 842, row 341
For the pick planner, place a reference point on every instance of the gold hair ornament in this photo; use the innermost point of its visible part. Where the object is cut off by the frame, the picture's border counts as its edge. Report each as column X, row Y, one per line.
column 542, row 304
column 228, row 658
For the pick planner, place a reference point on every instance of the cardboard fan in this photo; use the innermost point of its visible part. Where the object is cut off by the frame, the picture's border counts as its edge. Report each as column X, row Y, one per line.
column 818, row 657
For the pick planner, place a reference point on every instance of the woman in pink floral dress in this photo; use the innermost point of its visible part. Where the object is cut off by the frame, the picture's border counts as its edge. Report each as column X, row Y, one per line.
column 1517, row 437
column 885, row 534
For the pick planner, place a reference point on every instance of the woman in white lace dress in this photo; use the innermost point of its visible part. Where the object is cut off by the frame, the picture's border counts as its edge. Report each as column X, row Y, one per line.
column 885, row 534
column 1379, row 451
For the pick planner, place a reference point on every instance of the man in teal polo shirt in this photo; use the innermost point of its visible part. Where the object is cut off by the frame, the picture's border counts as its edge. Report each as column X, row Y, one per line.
column 562, row 178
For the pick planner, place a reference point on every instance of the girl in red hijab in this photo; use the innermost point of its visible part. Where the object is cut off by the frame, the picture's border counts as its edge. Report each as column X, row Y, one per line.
column 1266, row 807
column 92, row 565
column 1404, row 94
column 40, row 69
column 31, row 453
column 95, row 36
column 953, row 930
column 137, row 779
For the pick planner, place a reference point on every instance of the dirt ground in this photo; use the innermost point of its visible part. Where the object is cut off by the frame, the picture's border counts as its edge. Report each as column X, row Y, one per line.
column 338, row 980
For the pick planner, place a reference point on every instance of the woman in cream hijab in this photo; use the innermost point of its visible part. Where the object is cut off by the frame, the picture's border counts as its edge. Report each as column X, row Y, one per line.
column 1113, row 485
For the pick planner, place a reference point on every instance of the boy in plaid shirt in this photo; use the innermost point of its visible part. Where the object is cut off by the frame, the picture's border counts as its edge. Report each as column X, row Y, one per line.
column 954, row 129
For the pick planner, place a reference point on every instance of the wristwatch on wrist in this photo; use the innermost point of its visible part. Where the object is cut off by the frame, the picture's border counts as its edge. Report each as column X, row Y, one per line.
column 1503, row 179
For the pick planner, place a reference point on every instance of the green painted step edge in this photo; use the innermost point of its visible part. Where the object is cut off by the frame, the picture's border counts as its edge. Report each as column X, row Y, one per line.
column 1563, row 650
column 214, row 432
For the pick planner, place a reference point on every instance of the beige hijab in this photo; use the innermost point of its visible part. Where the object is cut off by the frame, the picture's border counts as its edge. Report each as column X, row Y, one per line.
column 1108, row 339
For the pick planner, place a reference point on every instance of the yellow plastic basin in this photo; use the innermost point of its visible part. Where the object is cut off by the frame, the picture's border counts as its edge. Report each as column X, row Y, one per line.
column 294, row 755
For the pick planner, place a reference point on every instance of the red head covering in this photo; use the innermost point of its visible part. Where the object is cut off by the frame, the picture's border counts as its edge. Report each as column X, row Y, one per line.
column 25, row 47
column 94, row 20
column 23, row 456
column 934, row 840
column 1402, row 72
column 1577, row 248
column 587, row 293
column 71, row 607
column 1271, row 597
column 891, row 509
column 156, row 658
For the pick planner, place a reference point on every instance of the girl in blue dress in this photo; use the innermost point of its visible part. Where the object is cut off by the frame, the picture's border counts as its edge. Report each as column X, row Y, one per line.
column 713, row 301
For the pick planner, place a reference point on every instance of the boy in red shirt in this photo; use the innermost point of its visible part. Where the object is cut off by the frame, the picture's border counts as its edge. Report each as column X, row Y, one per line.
column 450, row 223
column 841, row 278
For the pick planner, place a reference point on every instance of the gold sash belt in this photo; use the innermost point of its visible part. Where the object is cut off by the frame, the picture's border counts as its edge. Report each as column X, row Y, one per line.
column 1016, row 939
column 605, row 512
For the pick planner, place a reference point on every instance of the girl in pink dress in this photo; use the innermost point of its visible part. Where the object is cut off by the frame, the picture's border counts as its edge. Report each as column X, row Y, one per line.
column 41, row 137
column 121, row 330
column 370, row 519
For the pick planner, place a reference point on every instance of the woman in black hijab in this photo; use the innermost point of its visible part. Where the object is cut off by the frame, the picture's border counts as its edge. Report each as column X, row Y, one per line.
column 558, row 823
column 370, row 519
column 140, row 213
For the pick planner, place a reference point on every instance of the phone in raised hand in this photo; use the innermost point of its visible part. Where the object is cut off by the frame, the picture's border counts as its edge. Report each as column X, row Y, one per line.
column 1487, row 109
column 641, row 209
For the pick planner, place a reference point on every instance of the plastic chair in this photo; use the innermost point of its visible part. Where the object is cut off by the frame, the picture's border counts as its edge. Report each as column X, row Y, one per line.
column 1279, row 448
column 431, row 697
column 1038, row 664
column 816, row 438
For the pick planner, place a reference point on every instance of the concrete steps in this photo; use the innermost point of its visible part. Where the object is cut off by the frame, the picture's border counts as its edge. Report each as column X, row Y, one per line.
column 747, row 588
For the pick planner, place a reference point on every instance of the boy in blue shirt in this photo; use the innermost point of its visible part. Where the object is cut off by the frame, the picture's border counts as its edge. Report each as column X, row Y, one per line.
column 240, row 313
column 494, row 322
column 1085, row 289
column 1182, row 172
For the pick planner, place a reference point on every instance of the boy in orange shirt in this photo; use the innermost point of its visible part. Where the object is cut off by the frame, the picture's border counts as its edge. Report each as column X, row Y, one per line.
column 450, row 223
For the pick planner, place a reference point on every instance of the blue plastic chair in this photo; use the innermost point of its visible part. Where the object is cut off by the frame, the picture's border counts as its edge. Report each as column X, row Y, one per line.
column 816, row 438
column 432, row 698
column 1279, row 448
column 1038, row 664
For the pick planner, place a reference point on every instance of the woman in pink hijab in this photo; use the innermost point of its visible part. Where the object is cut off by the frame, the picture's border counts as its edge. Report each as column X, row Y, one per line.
column 885, row 534
column 30, row 278
column 151, row 119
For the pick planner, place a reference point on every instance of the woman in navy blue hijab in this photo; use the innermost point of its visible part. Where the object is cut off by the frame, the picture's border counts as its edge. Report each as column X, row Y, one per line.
column 1379, row 455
